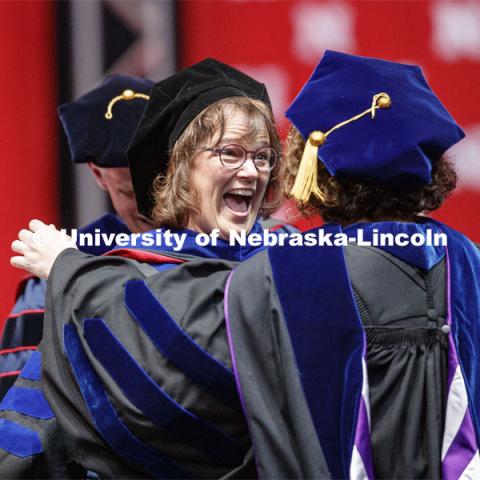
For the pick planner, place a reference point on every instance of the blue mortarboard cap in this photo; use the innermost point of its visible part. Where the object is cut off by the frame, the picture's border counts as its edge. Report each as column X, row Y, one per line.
column 399, row 144
column 94, row 138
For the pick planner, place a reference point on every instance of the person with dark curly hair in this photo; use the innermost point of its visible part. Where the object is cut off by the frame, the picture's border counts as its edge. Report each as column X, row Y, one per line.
column 359, row 358
column 346, row 200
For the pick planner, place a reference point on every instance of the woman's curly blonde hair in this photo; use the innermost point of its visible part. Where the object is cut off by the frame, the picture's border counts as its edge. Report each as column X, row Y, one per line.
column 175, row 196
column 350, row 200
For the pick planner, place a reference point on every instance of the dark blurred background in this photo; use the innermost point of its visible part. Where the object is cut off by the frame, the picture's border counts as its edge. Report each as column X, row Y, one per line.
column 52, row 52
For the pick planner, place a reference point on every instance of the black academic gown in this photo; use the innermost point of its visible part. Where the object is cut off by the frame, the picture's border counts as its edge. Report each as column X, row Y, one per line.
column 136, row 371
column 360, row 363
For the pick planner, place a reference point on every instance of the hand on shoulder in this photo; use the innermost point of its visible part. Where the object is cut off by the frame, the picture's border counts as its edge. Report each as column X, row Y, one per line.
column 39, row 246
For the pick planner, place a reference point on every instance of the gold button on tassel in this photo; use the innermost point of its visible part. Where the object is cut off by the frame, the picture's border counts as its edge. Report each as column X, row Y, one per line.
column 128, row 95
column 306, row 180
column 381, row 100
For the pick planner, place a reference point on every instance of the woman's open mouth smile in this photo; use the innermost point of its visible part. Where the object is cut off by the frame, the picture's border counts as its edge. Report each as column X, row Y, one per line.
column 238, row 200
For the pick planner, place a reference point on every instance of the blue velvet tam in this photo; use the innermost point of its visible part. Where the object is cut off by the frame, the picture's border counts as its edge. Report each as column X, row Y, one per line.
column 173, row 104
column 399, row 144
column 94, row 138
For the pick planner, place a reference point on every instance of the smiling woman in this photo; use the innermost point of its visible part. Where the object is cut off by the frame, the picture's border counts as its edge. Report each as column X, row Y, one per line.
column 135, row 385
column 211, row 181
column 182, row 175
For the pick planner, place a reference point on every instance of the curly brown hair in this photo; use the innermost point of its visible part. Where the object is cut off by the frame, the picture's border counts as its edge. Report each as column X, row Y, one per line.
column 348, row 200
column 175, row 196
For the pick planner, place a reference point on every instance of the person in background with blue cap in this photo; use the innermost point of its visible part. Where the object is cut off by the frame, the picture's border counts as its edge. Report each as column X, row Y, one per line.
column 99, row 127
column 99, row 139
column 136, row 365
column 373, row 364
column 101, row 143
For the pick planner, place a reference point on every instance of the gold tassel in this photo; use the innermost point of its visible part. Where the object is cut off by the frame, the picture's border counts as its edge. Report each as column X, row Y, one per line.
column 306, row 179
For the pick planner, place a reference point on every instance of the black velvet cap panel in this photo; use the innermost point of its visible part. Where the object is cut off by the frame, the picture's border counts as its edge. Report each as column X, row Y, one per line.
column 174, row 103
column 92, row 137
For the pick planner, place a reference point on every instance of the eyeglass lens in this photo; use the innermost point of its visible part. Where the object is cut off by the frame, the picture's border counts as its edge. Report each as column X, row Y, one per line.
column 234, row 156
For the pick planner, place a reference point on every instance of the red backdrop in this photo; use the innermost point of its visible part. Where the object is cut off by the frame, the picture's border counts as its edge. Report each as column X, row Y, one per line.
column 29, row 180
column 281, row 42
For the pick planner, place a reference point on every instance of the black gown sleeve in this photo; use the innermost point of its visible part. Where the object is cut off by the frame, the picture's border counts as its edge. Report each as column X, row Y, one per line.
column 137, row 369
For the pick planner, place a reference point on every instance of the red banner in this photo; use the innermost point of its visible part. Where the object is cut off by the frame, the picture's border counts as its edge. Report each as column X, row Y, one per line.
column 28, row 128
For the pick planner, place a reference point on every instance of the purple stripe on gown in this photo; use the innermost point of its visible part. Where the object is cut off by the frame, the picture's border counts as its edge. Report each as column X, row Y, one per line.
column 362, row 438
column 461, row 451
column 464, row 445
column 362, row 430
